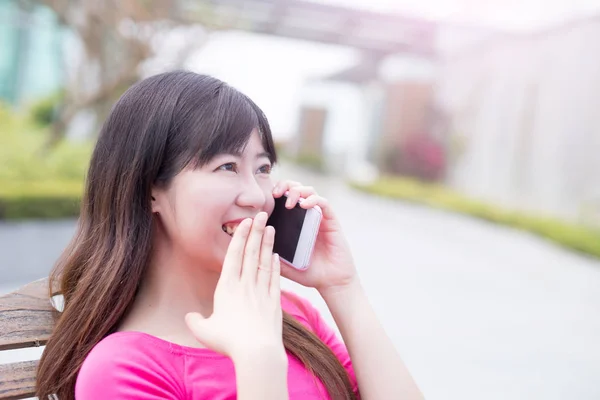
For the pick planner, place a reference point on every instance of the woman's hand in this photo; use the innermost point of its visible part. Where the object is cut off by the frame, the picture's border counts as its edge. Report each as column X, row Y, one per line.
column 247, row 315
column 332, row 266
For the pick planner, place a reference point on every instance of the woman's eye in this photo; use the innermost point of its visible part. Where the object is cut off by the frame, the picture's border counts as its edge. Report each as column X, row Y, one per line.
column 228, row 167
column 265, row 169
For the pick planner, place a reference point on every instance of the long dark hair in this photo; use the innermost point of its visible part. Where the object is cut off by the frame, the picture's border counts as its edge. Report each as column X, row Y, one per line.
column 157, row 128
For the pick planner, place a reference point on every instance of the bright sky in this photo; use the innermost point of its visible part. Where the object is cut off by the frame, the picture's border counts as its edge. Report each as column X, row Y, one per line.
column 272, row 71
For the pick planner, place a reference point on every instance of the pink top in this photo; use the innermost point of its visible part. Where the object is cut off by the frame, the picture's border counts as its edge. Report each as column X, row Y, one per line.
column 135, row 365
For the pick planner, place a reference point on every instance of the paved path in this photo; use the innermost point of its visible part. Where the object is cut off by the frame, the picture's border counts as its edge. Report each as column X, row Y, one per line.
column 476, row 310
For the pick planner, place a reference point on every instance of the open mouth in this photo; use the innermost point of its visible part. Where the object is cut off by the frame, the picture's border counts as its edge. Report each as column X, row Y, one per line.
column 229, row 228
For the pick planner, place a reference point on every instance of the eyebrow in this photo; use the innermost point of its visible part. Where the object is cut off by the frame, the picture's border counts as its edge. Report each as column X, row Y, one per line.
column 262, row 154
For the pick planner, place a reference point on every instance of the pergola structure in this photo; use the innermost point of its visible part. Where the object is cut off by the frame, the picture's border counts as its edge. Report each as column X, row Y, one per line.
column 371, row 32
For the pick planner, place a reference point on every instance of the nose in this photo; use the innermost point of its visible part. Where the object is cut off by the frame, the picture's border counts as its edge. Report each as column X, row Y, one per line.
column 251, row 195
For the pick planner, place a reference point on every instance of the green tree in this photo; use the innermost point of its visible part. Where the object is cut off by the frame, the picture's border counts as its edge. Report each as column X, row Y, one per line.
column 117, row 37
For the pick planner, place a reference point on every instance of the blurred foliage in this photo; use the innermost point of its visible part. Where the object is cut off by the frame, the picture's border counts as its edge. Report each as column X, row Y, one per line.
column 40, row 200
column 419, row 156
column 311, row 161
column 24, row 158
column 576, row 237
column 36, row 182
column 44, row 111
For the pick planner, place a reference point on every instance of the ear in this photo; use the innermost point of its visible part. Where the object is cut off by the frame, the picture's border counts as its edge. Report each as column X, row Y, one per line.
column 154, row 202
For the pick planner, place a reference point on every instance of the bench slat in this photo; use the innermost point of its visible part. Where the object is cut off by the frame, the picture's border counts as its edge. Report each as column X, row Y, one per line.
column 17, row 380
column 26, row 317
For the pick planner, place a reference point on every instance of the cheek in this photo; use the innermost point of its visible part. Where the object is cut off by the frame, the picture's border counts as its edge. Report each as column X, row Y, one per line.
column 198, row 227
column 196, row 212
column 270, row 203
column 269, row 199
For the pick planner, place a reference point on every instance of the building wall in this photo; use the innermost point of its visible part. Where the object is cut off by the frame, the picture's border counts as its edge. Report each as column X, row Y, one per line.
column 311, row 130
column 30, row 52
column 406, row 113
column 525, row 120
column 365, row 119
column 407, row 83
column 344, row 140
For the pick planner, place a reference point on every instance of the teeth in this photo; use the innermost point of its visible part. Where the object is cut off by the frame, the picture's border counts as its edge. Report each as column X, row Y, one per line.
column 230, row 230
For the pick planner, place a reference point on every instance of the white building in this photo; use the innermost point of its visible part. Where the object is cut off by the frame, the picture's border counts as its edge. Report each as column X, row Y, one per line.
column 350, row 117
column 525, row 120
column 522, row 115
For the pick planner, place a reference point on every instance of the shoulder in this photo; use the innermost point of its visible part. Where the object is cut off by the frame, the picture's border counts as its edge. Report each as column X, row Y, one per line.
column 300, row 308
column 128, row 365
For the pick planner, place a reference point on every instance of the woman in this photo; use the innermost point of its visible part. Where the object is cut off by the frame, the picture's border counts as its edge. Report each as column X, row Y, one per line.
column 161, row 302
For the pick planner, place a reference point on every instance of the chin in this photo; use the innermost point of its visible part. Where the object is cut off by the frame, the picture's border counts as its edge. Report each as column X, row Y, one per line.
column 219, row 258
column 216, row 257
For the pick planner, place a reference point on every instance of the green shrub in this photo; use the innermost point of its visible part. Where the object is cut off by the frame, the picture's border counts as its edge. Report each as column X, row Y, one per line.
column 576, row 237
column 40, row 200
column 23, row 158
column 312, row 161
column 44, row 110
column 36, row 182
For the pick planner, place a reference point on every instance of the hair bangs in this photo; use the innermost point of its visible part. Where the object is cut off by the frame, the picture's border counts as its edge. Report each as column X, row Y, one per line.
column 210, row 118
column 226, row 130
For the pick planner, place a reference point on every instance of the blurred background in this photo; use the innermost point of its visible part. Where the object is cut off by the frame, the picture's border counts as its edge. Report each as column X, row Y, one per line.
column 459, row 141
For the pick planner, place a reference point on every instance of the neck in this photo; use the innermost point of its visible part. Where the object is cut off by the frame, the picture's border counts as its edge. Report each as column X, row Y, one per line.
column 173, row 286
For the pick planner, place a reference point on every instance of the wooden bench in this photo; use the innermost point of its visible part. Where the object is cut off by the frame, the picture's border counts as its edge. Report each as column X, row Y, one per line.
column 26, row 320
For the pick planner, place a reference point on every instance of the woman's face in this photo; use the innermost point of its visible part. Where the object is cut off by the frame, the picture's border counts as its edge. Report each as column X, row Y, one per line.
column 202, row 207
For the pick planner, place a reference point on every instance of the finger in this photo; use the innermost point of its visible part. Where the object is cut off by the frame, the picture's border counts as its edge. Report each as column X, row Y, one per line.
column 266, row 259
column 293, row 196
column 252, row 249
column 232, row 265
column 283, row 186
column 309, row 199
column 274, row 285
column 297, row 192
column 303, row 191
column 314, row 200
column 200, row 328
column 289, row 272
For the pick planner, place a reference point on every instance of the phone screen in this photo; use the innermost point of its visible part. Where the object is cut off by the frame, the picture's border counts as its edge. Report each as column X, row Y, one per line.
column 288, row 225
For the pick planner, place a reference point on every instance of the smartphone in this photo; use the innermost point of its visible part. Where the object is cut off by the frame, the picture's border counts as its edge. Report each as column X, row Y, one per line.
column 296, row 232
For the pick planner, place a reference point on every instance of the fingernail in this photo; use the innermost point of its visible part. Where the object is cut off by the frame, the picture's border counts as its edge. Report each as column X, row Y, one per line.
column 288, row 203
